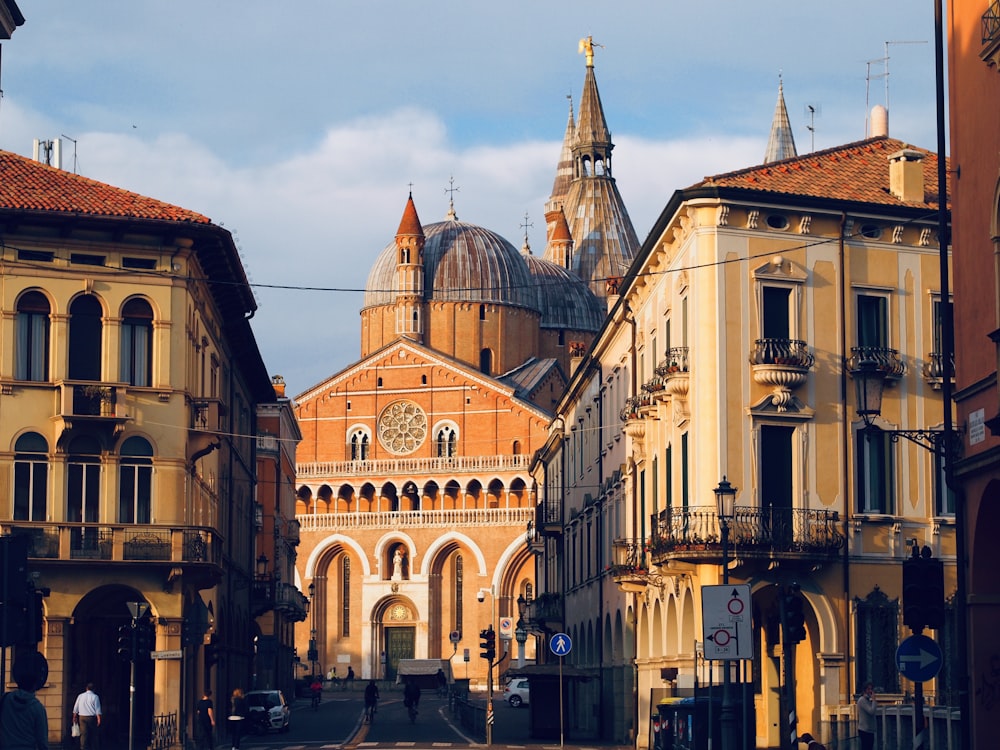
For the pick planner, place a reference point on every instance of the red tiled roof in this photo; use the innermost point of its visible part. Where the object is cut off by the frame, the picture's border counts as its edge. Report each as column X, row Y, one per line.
column 27, row 185
column 857, row 172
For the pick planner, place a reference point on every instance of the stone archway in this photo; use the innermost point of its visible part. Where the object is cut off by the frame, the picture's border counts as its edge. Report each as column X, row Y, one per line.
column 396, row 631
column 92, row 656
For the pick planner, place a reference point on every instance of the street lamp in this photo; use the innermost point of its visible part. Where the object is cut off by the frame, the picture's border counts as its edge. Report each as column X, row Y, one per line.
column 313, row 652
column 869, row 386
column 521, row 631
column 725, row 500
column 262, row 565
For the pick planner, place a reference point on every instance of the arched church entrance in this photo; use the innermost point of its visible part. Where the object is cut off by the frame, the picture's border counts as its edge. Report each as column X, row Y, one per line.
column 92, row 656
column 396, row 634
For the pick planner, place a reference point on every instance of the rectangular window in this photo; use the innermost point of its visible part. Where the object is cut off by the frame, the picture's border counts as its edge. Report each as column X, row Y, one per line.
column 776, row 321
column 944, row 496
column 31, row 346
column 684, row 470
column 135, row 357
column 875, row 472
column 669, row 476
column 135, row 491
column 30, row 489
column 873, row 317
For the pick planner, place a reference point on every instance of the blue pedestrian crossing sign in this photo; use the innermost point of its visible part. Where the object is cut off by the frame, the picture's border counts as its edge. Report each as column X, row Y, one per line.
column 560, row 644
column 918, row 658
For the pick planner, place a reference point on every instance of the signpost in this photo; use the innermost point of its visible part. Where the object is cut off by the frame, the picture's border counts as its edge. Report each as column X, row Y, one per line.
column 725, row 612
column 560, row 644
column 918, row 658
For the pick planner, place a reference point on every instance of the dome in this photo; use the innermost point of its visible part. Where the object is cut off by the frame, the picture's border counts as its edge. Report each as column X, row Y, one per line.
column 462, row 263
column 564, row 299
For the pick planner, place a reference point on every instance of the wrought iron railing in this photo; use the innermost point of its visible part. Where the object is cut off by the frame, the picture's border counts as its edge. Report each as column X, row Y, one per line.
column 887, row 361
column 934, row 369
column 116, row 543
column 751, row 530
column 991, row 23
column 634, row 406
column 163, row 733
column 675, row 362
column 790, row 352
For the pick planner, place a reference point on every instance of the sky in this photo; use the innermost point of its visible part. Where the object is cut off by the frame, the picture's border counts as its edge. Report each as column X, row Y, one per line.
column 301, row 126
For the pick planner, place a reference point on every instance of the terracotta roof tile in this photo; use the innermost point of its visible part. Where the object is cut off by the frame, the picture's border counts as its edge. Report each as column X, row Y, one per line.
column 27, row 185
column 854, row 172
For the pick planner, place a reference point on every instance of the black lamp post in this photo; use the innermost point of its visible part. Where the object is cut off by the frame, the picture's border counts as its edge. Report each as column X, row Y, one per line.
column 521, row 631
column 313, row 653
column 725, row 499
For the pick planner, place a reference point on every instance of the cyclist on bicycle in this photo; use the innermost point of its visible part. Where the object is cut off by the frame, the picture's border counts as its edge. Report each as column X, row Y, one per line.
column 371, row 700
column 411, row 698
column 317, row 691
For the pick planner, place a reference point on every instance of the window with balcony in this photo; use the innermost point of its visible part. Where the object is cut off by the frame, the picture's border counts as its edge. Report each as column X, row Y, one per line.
column 83, row 493
column 31, row 332
column 135, row 481
column 873, row 320
column 31, row 477
column 776, row 483
column 775, row 312
column 86, row 330
column 876, row 470
column 137, row 343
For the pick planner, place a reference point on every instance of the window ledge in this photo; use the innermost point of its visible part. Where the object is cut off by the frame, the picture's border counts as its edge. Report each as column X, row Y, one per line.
column 876, row 517
column 944, row 520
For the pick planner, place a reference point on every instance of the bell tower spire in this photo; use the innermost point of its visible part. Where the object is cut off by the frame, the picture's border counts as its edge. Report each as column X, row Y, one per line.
column 410, row 274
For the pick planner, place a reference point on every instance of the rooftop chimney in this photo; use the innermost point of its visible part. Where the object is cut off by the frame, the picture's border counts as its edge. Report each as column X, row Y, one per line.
column 278, row 383
column 906, row 175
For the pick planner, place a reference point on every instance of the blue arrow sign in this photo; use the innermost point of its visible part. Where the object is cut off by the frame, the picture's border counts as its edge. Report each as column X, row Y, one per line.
column 918, row 658
column 560, row 644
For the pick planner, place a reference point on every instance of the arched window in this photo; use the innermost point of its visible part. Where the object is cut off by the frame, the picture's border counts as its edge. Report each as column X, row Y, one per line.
column 85, row 336
column 459, row 573
column 137, row 343
column 31, row 477
column 135, row 481
column 83, row 494
column 345, row 594
column 446, row 442
column 360, row 444
column 31, row 332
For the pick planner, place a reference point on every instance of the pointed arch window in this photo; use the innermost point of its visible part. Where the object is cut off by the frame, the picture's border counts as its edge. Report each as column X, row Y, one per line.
column 446, row 442
column 360, row 445
column 345, row 596
column 137, row 343
column 31, row 332
column 31, row 477
column 135, row 481
column 86, row 330
column 459, row 572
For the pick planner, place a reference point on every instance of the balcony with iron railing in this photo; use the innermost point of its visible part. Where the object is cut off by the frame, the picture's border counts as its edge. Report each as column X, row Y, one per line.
column 694, row 534
column 934, row 370
column 545, row 613
column 782, row 365
column 990, row 54
column 673, row 369
column 630, row 568
column 113, row 544
column 887, row 361
column 267, row 594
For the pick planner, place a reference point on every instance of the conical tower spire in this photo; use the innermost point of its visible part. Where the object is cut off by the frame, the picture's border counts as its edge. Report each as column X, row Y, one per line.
column 781, row 144
column 564, row 169
column 409, row 290
column 604, row 240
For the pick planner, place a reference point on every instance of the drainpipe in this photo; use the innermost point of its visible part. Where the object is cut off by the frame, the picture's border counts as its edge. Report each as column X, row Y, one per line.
column 845, row 437
column 634, row 391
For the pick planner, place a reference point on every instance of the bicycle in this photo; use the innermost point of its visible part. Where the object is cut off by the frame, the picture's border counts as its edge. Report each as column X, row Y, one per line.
column 316, row 698
column 412, row 711
column 370, row 709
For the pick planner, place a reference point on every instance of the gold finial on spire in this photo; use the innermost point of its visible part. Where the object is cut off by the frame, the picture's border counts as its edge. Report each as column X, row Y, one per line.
column 587, row 45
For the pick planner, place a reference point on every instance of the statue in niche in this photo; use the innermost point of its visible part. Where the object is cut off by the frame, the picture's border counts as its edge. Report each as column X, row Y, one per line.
column 397, row 564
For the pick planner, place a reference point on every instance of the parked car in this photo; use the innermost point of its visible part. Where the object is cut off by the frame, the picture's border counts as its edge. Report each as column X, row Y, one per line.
column 270, row 708
column 516, row 692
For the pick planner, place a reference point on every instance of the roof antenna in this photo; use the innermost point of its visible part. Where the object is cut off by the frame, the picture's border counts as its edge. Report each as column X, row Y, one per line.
column 884, row 62
column 74, row 150
column 811, row 111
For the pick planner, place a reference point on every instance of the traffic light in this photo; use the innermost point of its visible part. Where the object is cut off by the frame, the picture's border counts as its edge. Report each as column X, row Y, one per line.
column 487, row 644
column 34, row 615
column 795, row 618
column 923, row 591
column 125, row 642
column 145, row 638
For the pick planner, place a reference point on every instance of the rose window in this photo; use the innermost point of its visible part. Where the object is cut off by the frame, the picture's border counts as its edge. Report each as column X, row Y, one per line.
column 402, row 427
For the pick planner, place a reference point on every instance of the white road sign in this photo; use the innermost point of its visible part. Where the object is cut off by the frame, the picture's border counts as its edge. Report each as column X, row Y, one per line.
column 727, row 622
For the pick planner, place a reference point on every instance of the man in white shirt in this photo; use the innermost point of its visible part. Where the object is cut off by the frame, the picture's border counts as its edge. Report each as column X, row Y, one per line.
column 87, row 712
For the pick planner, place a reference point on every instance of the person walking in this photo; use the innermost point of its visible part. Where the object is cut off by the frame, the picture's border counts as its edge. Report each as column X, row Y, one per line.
column 866, row 717
column 349, row 680
column 371, row 701
column 237, row 717
column 411, row 698
column 204, row 721
column 87, row 713
column 24, row 725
